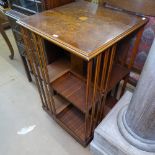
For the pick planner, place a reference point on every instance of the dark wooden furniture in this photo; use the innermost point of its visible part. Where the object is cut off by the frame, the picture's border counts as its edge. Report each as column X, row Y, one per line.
column 34, row 6
column 78, row 96
column 21, row 9
column 4, row 24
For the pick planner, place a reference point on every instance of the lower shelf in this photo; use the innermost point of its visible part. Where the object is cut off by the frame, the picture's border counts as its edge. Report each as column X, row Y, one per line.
column 73, row 120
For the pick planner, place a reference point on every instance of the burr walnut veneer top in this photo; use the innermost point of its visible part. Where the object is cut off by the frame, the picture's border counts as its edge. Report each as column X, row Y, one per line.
column 83, row 28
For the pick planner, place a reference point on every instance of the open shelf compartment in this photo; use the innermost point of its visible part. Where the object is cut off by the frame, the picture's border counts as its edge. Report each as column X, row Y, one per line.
column 58, row 68
column 117, row 74
column 60, row 103
column 73, row 121
column 72, row 88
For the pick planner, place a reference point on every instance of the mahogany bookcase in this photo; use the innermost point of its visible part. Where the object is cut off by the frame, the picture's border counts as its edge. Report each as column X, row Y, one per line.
column 75, row 84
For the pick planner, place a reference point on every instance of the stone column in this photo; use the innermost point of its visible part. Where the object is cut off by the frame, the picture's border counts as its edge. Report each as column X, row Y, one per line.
column 136, row 122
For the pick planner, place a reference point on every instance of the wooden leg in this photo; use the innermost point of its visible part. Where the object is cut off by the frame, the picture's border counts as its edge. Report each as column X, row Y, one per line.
column 7, row 41
column 26, row 68
column 116, row 90
column 124, row 85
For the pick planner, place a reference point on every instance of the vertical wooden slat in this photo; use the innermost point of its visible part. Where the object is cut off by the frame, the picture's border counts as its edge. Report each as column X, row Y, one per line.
column 88, row 87
column 106, row 55
column 39, row 65
column 37, row 70
column 110, row 58
column 104, row 70
column 95, row 93
column 113, row 51
column 46, row 76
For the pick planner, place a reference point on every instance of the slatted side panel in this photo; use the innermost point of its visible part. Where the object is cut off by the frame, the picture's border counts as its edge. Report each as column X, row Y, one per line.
column 98, row 74
column 36, row 58
column 99, row 71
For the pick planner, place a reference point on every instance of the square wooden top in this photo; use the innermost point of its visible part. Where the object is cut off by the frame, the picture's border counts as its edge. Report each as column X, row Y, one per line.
column 83, row 28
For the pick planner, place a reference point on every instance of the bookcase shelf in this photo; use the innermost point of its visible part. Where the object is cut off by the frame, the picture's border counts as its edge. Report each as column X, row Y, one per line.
column 58, row 68
column 71, row 118
column 70, row 96
column 73, row 87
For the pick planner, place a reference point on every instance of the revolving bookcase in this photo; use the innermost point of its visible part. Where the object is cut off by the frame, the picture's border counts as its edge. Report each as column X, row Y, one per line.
column 76, row 81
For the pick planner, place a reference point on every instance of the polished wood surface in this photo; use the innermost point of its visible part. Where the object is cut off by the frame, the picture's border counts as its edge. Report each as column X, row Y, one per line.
column 73, row 121
column 145, row 7
column 83, row 28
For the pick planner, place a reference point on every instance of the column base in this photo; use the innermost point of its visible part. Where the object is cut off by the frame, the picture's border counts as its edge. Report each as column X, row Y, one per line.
column 130, row 136
column 107, row 138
